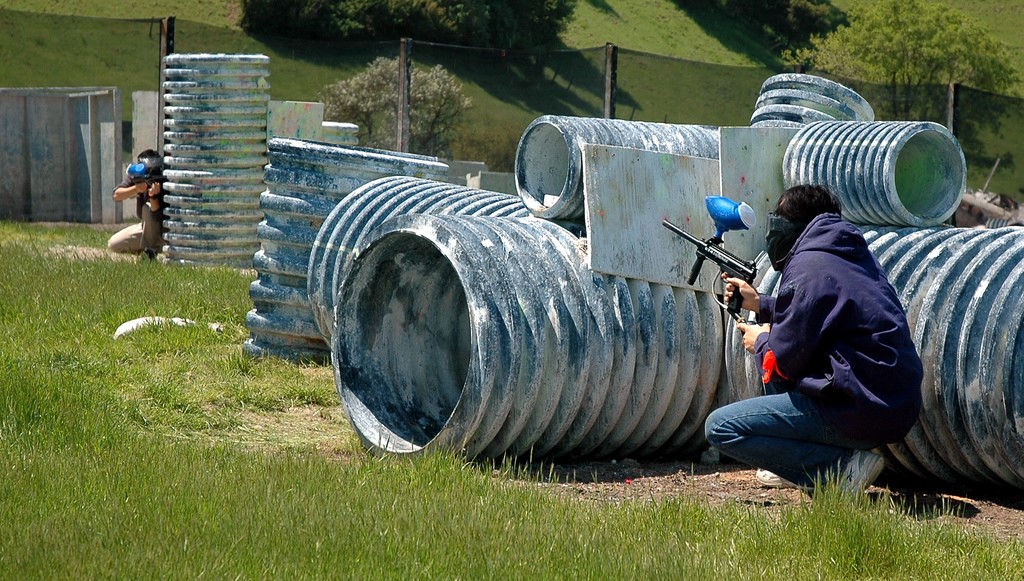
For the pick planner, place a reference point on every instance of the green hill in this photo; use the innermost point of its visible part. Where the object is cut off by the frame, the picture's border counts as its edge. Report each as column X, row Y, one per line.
column 77, row 44
column 664, row 27
column 667, row 27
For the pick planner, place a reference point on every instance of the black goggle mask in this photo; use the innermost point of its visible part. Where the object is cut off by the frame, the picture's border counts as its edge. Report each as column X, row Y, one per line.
column 780, row 238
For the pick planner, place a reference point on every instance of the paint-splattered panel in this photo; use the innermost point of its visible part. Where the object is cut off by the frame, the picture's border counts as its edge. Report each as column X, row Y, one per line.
column 751, row 161
column 628, row 192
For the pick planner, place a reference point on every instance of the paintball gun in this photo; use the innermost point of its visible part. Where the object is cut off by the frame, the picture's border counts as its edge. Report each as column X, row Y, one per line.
column 148, row 169
column 727, row 215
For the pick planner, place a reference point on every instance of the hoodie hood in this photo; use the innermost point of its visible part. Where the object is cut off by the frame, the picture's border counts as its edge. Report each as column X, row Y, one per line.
column 830, row 233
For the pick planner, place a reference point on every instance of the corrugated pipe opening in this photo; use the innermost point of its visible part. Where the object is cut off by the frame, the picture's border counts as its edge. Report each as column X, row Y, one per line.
column 412, row 336
column 928, row 173
column 543, row 186
column 549, row 158
column 890, row 173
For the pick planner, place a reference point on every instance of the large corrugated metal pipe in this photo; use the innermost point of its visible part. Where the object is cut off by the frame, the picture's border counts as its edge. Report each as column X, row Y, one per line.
column 959, row 287
column 549, row 158
column 350, row 221
column 889, row 173
column 490, row 337
column 794, row 100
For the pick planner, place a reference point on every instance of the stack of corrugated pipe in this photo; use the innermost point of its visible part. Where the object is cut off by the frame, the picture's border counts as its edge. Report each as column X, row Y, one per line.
column 489, row 335
column 794, row 100
column 215, row 133
column 900, row 181
column 305, row 181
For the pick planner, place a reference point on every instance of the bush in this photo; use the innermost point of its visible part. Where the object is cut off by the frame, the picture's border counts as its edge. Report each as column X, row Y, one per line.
column 370, row 100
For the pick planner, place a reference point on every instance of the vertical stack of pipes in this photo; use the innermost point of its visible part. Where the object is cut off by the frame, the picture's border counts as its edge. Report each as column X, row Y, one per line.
column 305, row 181
column 215, row 134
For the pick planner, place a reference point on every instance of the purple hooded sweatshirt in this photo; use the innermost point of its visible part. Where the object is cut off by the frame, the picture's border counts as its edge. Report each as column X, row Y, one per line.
column 840, row 336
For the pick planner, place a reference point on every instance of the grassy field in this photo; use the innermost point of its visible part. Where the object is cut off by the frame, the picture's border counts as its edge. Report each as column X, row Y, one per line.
column 168, row 454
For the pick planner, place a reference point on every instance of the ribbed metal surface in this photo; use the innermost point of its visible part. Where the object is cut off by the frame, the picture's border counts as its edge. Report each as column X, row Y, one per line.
column 489, row 336
column 305, row 181
column 898, row 173
column 959, row 287
column 794, row 100
column 369, row 206
column 215, row 133
column 549, row 158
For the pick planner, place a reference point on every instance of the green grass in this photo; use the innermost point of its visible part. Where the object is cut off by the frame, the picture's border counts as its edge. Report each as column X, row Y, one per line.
column 686, row 30
column 219, row 13
column 165, row 454
column 665, row 28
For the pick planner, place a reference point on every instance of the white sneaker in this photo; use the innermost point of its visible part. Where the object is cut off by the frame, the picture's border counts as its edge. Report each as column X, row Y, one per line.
column 773, row 480
column 862, row 469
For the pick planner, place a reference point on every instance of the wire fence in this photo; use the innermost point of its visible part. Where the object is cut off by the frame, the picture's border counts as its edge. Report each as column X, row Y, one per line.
column 511, row 88
column 648, row 87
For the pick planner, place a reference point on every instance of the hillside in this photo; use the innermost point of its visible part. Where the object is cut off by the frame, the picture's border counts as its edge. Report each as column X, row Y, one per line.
column 664, row 27
column 668, row 28
column 65, row 43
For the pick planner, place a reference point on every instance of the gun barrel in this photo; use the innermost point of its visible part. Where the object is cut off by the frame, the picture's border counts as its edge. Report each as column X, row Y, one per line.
column 730, row 263
column 682, row 233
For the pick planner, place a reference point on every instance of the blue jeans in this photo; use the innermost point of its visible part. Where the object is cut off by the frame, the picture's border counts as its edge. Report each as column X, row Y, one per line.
column 784, row 433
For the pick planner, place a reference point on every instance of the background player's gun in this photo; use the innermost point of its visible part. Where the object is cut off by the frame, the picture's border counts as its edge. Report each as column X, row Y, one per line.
column 149, row 170
column 727, row 215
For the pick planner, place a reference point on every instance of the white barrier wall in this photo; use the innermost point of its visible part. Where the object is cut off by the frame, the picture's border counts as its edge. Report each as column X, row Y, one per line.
column 60, row 154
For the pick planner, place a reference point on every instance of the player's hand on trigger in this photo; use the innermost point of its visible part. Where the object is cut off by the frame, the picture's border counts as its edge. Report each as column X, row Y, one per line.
column 751, row 298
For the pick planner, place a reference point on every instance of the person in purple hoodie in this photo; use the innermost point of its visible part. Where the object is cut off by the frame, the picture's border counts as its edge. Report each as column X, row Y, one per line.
column 842, row 375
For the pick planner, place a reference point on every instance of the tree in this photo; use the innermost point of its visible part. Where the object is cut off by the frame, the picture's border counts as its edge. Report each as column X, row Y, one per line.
column 487, row 23
column 370, row 100
column 295, row 18
column 787, row 24
column 907, row 45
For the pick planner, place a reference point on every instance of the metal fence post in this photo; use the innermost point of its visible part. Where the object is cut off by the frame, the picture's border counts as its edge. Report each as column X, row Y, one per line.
column 611, row 65
column 952, row 106
column 404, row 86
column 166, row 48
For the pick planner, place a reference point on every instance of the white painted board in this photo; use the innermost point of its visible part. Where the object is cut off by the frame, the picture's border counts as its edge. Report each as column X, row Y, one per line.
column 627, row 193
column 751, row 162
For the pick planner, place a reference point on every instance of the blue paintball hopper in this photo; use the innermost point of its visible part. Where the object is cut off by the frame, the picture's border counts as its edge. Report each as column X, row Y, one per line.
column 147, row 167
column 729, row 215
column 137, row 170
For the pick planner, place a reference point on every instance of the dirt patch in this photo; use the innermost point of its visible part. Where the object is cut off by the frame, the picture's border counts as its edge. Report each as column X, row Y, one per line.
column 998, row 513
column 305, row 427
